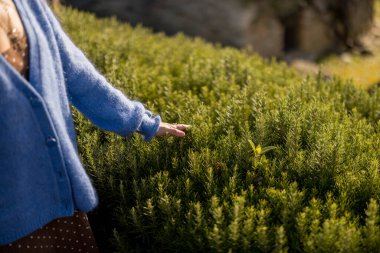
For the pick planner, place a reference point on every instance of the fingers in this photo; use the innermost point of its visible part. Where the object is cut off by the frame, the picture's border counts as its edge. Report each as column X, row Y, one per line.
column 177, row 130
column 182, row 127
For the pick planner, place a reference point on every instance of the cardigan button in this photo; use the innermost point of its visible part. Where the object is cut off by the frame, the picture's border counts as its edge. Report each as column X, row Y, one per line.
column 61, row 176
column 34, row 101
column 51, row 141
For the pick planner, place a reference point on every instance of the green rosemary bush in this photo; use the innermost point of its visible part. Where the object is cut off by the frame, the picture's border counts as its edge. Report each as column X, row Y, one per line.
column 274, row 162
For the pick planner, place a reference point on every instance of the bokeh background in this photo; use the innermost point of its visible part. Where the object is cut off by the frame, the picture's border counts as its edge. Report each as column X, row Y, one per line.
column 335, row 37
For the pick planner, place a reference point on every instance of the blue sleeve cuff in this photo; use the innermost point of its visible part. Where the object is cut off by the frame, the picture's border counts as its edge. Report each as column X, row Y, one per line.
column 149, row 126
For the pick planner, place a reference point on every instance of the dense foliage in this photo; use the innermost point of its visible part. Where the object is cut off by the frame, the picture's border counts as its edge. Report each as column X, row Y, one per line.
column 274, row 162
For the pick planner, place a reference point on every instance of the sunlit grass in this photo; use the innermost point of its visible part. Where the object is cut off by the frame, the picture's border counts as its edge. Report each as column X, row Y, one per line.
column 274, row 161
column 363, row 70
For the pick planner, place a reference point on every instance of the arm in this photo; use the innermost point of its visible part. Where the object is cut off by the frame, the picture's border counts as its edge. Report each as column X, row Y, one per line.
column 93, row 96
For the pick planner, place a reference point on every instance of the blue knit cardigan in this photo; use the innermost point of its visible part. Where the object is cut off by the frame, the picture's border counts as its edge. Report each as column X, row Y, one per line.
column 41, row 176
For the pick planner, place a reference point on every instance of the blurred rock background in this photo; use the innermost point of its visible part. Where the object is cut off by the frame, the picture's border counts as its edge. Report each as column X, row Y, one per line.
column 332, row 37
column 304, row 28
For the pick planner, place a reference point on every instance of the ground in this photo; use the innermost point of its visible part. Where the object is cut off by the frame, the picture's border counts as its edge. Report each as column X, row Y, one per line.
column 362, row 69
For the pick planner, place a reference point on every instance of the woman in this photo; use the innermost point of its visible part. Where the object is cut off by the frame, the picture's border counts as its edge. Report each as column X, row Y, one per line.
column 44, row 190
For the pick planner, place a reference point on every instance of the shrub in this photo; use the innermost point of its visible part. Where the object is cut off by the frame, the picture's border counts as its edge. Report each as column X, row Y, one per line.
column 274, row 162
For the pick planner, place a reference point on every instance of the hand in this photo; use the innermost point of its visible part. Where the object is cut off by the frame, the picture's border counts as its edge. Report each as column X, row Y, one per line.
column 166, row 129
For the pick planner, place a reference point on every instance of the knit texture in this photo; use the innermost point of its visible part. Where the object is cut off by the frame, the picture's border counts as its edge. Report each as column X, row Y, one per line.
column 41, row 176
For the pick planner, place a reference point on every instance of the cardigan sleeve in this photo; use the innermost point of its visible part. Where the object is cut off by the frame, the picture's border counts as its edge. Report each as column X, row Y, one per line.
column 92, row 95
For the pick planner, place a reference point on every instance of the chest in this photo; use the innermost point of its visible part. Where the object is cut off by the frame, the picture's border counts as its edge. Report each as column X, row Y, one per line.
column 13, row 40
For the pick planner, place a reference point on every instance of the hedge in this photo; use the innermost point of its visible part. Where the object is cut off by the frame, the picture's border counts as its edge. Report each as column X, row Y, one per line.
column 274, row 162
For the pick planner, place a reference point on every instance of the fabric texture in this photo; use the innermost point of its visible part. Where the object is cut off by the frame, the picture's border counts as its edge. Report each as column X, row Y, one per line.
column 41, row 176
column 67, row 234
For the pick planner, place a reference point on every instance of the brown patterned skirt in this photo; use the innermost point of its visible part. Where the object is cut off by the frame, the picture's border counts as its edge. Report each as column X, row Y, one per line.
column 68, row 234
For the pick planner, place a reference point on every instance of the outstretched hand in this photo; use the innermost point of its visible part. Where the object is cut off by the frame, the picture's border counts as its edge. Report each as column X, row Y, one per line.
column 166, row 129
